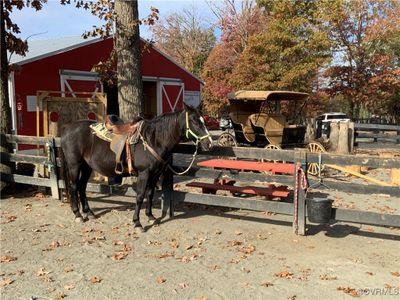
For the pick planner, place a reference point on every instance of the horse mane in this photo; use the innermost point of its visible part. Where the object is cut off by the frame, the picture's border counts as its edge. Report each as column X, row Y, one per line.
column 161, row 127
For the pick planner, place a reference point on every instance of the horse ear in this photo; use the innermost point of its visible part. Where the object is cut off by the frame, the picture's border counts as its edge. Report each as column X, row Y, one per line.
column 187, row 107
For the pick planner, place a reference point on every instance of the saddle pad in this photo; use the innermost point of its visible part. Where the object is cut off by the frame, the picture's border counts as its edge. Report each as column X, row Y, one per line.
column 103, row 133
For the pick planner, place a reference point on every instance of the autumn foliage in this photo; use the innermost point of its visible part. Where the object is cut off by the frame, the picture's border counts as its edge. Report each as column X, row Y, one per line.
column 344, row 53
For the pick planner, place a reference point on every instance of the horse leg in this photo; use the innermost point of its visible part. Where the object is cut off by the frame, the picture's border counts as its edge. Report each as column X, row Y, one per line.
column 141, row 185
column 86, row 171
column 74, row 184
column 149, row 205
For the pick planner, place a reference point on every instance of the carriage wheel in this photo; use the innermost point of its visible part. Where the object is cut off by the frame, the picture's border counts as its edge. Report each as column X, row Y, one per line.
column 273, row 147
column 314, row 168
column 227, row 140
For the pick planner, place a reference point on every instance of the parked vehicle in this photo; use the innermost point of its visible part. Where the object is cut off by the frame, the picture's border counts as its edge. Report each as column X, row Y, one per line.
column 270, row 119
column 211, row 123
column 322, row 122
column 225, row 122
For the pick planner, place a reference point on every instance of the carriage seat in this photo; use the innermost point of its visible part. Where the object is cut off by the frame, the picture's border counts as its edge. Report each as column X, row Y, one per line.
column 117, row 126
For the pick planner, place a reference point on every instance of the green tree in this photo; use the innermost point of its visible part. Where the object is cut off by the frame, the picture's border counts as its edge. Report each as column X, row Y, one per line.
column 289, row 54
column 366, row 44
column 236, row 28
column 184, row 37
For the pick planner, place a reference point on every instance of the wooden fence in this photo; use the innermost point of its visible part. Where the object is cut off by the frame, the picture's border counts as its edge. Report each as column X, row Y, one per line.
column 376, row 132
column 170, row 196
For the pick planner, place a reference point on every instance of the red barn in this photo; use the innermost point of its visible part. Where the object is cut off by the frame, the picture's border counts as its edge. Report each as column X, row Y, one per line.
column 65, row 65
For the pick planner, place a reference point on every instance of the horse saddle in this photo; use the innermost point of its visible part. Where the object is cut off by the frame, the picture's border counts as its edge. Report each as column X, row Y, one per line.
column 120, row 135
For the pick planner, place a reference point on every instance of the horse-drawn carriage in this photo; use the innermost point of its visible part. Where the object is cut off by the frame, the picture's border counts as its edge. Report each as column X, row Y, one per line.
column 271, row 119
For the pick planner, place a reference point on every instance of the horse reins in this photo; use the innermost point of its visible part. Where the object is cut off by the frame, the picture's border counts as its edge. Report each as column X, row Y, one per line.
column 187, row 133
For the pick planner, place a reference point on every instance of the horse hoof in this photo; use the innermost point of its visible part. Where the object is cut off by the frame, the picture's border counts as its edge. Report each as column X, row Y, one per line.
column 89, row 216
column 139, row 229
column 154, row 221
column 78, row 220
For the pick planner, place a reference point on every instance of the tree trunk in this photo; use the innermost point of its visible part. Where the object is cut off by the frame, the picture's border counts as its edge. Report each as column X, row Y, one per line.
column 343, row 144
column 5, row 120
column 130, row 87
column 334, row 136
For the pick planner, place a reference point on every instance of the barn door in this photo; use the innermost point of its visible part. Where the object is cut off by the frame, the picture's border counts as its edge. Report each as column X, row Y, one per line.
column 171, row 96
column 80, row 81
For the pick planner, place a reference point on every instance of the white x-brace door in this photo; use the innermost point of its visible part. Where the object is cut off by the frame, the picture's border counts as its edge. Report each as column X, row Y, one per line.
column 171, row 95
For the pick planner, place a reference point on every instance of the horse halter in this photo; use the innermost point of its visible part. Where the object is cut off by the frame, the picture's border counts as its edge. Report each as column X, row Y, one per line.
column 193, row 134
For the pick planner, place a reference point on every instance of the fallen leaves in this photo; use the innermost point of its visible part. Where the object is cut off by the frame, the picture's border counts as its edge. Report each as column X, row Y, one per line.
column 119, row 256
column 7, row 258
column 266, row 284
column 44, row 275
column 174, row 244
column 6, row 281
column 349, row 290
column 284, row 274
column 9, row 219
column 326, row 277
column 95, row 279
column 234, row 243
column 68, row 269
column 166, row 254
column 122, row 253
column 160, row 279
column 69, row 287
column 396, row 274
column 247, row 249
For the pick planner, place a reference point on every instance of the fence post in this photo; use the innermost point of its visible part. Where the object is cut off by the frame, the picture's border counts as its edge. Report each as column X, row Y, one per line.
column 299, row 213
column 52, row 165
column 167, row 206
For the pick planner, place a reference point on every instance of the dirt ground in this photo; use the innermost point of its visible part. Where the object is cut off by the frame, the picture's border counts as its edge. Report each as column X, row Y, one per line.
column 202, row 253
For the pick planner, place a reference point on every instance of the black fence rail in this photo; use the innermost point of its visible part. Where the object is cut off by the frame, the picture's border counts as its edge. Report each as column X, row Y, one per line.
column 297, row 209
column 48, row 161
column 366, row 132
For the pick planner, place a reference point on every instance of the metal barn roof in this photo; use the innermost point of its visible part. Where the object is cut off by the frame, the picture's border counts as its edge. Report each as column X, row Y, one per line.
column 42, row 48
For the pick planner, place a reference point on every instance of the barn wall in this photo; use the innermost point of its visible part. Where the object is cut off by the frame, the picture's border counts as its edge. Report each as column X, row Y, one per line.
column 43, row 74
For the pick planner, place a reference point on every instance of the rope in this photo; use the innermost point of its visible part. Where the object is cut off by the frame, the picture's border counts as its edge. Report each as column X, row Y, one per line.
column 303, row 185
column 191, row 163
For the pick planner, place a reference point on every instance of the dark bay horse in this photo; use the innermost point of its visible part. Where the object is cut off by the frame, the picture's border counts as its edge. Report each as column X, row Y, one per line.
column 84, row 152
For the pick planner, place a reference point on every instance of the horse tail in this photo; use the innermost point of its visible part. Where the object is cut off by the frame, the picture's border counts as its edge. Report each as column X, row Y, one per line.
column 65, row 172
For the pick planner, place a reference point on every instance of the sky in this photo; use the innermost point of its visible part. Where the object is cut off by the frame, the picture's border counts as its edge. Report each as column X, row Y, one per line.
column 55, row 20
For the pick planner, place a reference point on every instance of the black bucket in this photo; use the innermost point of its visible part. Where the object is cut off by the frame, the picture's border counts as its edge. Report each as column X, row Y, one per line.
column 319, row 210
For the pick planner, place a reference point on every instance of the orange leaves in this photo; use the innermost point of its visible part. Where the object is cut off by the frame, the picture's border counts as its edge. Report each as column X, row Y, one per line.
column 326, row 277
column 396, row 274
column 267, row 284
column 284, row 274
column 160, row 279
column 95, row 279
column 7, row 258
column 349, row 290
column 247, row 249
column 122, row 253
column 5, row 282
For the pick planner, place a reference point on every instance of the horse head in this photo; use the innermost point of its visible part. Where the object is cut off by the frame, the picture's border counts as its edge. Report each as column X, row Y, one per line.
column 195, row 128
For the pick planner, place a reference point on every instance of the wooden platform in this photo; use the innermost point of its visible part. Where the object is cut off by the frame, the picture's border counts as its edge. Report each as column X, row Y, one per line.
column 281, row 168
column 269, row 191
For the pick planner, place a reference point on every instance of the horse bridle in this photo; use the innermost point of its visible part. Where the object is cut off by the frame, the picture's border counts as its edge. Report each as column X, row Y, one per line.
column 193, row 134
column 188, row 132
